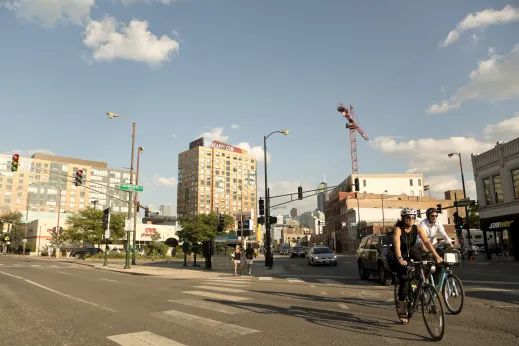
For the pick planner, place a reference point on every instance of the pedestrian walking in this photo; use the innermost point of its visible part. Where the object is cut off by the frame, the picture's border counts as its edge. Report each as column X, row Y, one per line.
column 250, row 254
column 237, row 260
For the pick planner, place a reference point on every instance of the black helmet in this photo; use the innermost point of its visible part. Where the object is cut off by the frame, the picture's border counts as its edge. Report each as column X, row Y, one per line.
column 431, row 210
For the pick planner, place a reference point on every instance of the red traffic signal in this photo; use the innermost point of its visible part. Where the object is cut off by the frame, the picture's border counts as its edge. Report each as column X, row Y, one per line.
column 14, row 162
column 79, row 172
column 16, row 157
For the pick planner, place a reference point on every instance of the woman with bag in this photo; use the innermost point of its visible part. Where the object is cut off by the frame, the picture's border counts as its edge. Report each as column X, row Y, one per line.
column 237, row 256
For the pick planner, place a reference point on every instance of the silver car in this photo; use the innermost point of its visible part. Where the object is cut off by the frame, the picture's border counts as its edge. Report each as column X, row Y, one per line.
column 321, row 255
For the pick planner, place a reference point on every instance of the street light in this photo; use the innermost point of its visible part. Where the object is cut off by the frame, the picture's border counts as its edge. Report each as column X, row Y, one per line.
column 139, row 151
column 134, row 125
column 269, row 260
column 464, row 196
column 95, row 203
column 383, row 217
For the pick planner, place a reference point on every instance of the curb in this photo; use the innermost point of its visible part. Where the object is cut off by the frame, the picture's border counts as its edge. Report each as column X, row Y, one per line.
column 110, row 269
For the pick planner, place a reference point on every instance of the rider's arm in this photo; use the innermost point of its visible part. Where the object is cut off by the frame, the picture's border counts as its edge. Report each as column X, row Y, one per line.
column 428, row 244
column 396, row 244
column 441, row 230
column 423, row 225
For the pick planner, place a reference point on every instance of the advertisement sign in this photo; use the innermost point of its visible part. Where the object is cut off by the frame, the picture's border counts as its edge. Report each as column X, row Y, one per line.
column 197, row 143
column 205, row 142
column 148, row 232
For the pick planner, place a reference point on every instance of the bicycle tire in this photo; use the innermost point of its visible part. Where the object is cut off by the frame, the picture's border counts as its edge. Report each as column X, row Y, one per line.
column 462, row 294
column 439, row 306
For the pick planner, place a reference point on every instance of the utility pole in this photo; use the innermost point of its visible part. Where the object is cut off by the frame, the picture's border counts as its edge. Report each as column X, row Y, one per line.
column 57, row 226
column 26, row 224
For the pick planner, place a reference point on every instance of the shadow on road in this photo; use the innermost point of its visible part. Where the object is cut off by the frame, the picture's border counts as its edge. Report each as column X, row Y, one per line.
column 333, row 319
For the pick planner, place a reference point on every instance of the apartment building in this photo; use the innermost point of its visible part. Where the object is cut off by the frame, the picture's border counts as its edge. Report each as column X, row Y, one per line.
column 41, row 179
column 392, row 184
column 496, row 173
column 216, row 176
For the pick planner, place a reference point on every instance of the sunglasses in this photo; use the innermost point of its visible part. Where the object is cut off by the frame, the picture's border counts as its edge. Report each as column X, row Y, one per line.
column 433, row 215
column 410, row 217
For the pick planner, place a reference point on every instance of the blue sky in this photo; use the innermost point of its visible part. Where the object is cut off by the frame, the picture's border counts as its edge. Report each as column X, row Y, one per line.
column 203, row 65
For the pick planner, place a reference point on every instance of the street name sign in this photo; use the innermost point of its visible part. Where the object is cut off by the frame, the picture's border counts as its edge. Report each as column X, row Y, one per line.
column 131, row 187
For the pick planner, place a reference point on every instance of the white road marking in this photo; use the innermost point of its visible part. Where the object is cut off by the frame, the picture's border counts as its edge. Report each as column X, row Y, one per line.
column 1, row 264
column 221, row 289
column 324, row 293
column 60, row 293
column 322, row 276
column 217, row 296
column 344, row 306
column 35, row 265
column 329, row 282
column 229, row 282
column 64, row 273
column 514, row 292
column 265, row 278
column 312, row 286
column 143, row 339
column 347, row 262
column 295, row 280
column 108, row 280
column 491, row 282
column 224, row 284
column 202, row 304
column 203, row 324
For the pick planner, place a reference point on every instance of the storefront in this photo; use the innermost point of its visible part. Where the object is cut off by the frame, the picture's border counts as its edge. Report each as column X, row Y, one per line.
column 501, row 234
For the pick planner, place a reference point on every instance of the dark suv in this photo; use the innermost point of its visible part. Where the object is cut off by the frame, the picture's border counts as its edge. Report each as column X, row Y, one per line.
column 371, row 257
column 297, row 251
column 86, row 252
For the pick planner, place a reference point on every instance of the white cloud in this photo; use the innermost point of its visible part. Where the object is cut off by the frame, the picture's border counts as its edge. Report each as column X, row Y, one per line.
column 30, row 152
column 110, row 41
column 49, row 12
column 441, row 183
column 507, row 128
column 256, row 151
column 495, row 79
column 215, row 134
column 482, row 20
column 284, row 187
column 234, row 126
column 130, row 2
column 165, row 181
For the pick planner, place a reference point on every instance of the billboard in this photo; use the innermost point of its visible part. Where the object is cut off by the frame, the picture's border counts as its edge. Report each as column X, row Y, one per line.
column 205, row 142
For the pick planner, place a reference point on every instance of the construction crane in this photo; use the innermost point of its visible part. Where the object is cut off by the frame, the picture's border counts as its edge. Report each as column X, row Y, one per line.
column 354, row 128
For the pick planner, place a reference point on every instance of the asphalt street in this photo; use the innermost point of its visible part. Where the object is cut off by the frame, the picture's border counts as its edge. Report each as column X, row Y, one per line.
column 50, row 302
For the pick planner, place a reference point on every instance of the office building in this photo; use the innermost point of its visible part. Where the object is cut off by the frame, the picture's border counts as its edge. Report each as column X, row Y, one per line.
column 47, row 177
column 496, row 174
column 166, row 210
column 322, row 196
column 214, row 176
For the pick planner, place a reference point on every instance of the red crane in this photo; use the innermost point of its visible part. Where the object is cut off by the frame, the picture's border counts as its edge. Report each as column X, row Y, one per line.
column 354, row 128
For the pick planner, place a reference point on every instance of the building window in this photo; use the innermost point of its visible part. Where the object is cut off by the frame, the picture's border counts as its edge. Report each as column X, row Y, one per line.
column 488, row 191
column 364, row 182
column 515, row 182
column 498, row 188
column 410, row 182
column 419, row 182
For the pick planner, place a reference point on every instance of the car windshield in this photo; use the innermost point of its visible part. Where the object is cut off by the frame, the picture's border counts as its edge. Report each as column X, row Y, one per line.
column 323, row 250
column 386, row 241
column 298, row 248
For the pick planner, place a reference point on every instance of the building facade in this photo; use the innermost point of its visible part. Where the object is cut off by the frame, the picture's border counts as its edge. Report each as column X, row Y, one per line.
column 166, row 210
column 216, row 176
column 393, row 184
column 47, row 180
column 496, row 174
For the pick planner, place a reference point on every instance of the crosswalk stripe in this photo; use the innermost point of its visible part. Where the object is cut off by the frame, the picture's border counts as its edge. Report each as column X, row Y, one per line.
column 143, row 339
column 208, row 325
column 294, row 280
column 217, row 296
column 221, row 289
column 35, row 265
column 329, row 281
column 202, row 304
column 265, row 278
column 228, row 284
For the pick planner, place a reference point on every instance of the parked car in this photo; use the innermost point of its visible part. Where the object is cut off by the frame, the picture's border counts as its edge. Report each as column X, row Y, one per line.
column 371, row 257
column 86, row 252
column 321, row 255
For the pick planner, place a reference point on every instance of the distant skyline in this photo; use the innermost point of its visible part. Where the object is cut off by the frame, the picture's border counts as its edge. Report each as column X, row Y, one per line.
column 425, row 78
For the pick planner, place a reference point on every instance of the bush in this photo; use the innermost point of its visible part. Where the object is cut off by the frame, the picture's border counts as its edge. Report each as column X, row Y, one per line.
column 44, row 253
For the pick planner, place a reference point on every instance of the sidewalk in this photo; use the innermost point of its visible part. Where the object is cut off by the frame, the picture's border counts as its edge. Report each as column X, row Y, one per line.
column 171, row 269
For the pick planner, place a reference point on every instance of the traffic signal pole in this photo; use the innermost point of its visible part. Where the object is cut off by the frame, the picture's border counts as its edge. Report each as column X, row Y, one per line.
column 127, row 264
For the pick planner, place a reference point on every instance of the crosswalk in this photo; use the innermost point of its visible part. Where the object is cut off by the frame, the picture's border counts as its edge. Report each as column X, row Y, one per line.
column 216, row 297
column 41, row 266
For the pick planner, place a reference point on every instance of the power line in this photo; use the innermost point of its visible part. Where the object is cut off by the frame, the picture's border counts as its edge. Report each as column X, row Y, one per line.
column 86, row 180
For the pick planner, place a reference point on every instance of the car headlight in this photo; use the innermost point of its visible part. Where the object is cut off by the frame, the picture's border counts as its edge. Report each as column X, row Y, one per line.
column 316, row 257
column 334, row 257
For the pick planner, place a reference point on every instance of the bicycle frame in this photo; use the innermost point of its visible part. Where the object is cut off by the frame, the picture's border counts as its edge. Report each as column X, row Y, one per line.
column 442, row 280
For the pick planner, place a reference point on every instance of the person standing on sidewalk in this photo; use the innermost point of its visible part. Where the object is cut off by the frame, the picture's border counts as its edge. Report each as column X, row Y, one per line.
column 249, row 257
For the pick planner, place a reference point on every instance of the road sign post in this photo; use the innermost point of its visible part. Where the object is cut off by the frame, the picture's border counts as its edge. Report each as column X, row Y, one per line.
column 128, row 226
column 131, row 187
column 106, row 225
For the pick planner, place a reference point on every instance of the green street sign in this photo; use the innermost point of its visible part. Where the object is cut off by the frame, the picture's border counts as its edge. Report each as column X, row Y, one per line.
column 353, row 224
column 130, row 187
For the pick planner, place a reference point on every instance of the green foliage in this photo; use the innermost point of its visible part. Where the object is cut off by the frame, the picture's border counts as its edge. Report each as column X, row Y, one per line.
column 17, row 229
column 172, row 242
column 474, row 216
column 86, row 226
column 198, row 228
column 156, row 248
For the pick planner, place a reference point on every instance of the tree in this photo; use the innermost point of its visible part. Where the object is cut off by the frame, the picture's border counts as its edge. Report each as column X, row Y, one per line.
column 86, row 226
column 474, row 216
column 17, row 231
column 201, row 227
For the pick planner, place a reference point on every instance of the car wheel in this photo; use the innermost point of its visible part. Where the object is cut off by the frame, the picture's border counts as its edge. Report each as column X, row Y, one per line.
column 364, row 275
column 384, row 276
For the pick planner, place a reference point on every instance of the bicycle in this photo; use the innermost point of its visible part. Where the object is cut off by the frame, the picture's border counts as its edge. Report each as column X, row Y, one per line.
column 448, row 283
column 420, row 290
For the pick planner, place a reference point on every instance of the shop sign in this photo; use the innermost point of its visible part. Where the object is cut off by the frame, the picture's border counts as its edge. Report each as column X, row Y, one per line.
column 501, row 224
column 148, row 232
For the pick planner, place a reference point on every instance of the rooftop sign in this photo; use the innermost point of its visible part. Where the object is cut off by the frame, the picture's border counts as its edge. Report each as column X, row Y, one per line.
column 206, row 142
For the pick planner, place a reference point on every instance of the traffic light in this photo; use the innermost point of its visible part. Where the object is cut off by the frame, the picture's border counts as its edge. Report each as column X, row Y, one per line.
column 419, row 213
column 261, row 207
column 439, row 208
column 146, row 212
column 15, row 163
column 357, row 184
column 106, row 218
column 221, row 223
column 300, row 192
column 79, row 177
column 319, row 223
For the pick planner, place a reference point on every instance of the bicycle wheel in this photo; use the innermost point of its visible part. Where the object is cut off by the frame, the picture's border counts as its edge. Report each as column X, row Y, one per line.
column 453, row 294
column 432, row 307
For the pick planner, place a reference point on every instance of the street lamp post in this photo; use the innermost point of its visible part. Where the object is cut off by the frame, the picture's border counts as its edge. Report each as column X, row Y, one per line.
column 383, row 217
column 95, row 203
column 134, row 125
column 139, row 151
column 57, row 226
column 269, row 260
column 26, row 224
column 464, row 196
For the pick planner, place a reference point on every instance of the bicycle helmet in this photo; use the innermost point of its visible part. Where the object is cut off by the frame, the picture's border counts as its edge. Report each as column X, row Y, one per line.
column 408, row 211
column 431, row 210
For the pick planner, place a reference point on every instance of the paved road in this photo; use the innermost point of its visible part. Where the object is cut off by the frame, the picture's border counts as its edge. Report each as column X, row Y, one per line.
column 48, row 302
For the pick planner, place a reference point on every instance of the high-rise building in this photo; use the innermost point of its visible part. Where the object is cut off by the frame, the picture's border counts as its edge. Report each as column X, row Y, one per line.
column 166, row 209
column 45, row 177
column 322, row 195
column 294, row 213
column 214, row 175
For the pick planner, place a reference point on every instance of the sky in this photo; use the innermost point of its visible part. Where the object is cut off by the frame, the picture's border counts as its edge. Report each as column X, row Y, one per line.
column 425, row 78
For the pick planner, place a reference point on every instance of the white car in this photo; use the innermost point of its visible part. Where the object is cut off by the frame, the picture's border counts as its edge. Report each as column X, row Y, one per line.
column 321, row 255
